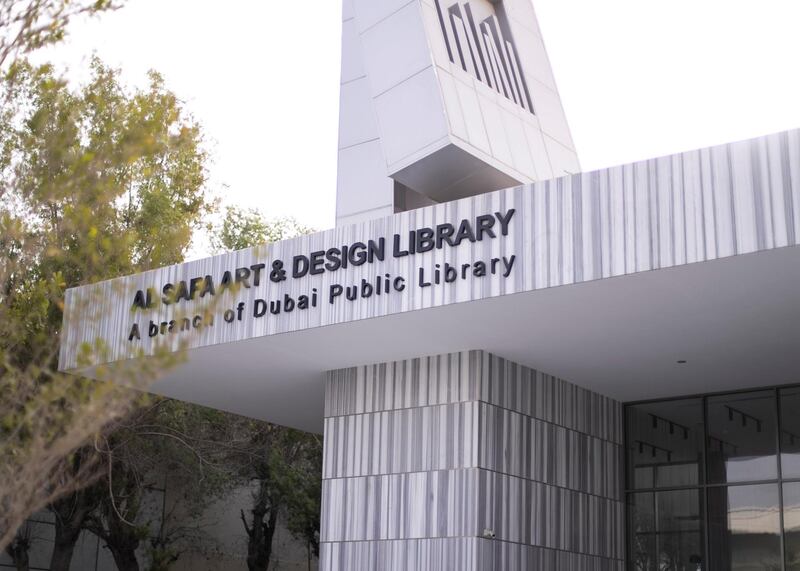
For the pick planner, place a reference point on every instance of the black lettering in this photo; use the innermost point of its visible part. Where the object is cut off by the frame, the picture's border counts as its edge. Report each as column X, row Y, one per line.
column 479, row 269
column 450, row 274
column 425, row 241
column 444, row 233
column 139, row 301
column 508, row 263
column 334, row 260
column 464, row 232
column 376, row 250
column 357, row 255
column 396, row 251
column 208, row 286
column 485, row 224
column 169, row 294
column 134, row 334
column 334, row 292
column 366, row 288
column 399, row 283
column 259, row 308
column 152, row 329
column 243, row 276
column 226, row 281
column 504, row 220
column 422, row 282
column 193, row 285
column 256, row 268
column 317, row 261
column 300, row 266
column 288, row 303
column 182, row 292
column 302, row 302
column 197, row 321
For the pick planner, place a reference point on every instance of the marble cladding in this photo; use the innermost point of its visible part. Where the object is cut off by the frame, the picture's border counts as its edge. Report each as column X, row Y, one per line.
column 426, row 456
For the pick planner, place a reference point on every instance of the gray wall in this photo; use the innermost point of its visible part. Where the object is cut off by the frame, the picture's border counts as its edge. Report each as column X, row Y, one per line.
column 423, row 455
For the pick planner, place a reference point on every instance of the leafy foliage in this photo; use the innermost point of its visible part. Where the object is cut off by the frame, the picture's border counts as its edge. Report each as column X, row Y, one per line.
column 29, row 24
column 242, row 228
column 95, row 182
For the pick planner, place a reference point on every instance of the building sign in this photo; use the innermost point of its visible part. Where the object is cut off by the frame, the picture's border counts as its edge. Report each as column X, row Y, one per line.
column 334, row 260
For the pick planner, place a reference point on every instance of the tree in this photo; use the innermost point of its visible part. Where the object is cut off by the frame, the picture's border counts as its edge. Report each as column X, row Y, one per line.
column 95, row 182
column 305, row 501
column 28, row 25
column 282, row 465
column 242, row 228
column 70, row 515
column 19, row 548
column 169, row 440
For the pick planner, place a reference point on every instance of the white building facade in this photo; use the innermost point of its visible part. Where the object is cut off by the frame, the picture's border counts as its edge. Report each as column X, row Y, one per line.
column 515, row 364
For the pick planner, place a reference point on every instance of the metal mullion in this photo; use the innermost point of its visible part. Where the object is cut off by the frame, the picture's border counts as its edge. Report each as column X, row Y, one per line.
column 626, row 483
column 704, row 490
column 779, row 427
column 713, row 394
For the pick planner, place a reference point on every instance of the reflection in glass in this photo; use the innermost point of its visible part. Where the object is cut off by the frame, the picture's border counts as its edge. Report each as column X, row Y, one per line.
column 666, row 531
column 791, row 525
column 744, row 528
column 790, row 433
column 741, row 437
column 665, row 443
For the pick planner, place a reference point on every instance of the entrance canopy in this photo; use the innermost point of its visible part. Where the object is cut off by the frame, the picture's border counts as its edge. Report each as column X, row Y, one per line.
column 610, row 279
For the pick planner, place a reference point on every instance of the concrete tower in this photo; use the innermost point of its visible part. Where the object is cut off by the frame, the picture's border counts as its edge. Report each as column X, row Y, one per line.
column 444, row 99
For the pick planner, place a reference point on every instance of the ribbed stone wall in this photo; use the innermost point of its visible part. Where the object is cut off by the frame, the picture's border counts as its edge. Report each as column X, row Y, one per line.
column 423, row 456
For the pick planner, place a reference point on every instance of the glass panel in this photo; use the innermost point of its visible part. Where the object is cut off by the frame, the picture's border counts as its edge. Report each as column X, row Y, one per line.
column 741, row 439
column 665, row 531
column 744, row 528
column 791, row 525
column 790, row 433
column 665, row 444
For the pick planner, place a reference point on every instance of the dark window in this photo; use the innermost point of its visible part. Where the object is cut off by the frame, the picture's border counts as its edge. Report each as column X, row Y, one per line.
column 791, row 525
column 742, row 437
column 790, row 433
column 666, row 530
column 744, row 527
column 713, row 482
column 665, row 444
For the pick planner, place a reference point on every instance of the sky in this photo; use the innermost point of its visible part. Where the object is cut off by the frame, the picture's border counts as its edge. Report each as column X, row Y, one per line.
column 638, row 79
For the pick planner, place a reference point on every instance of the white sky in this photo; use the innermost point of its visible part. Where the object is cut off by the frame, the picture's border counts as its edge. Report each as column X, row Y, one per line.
column 638, row 78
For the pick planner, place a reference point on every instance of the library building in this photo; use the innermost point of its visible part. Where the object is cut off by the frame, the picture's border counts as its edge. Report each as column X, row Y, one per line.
column 515, row 364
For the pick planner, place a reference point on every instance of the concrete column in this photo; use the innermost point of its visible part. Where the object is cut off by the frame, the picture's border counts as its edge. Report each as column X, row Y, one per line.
column 469, row 462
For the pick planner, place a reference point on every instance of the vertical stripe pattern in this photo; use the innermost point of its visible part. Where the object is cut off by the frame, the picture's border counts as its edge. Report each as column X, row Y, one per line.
column 691, row 207
column 422, row 456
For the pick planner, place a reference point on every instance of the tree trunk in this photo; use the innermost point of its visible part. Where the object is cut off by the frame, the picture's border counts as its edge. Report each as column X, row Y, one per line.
column 260, row 534
column 269, row 532
column 125, row 558
column 256, row 556
column 21, row 562
column 70, row 515
column 63, row 548
column 18, row 552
